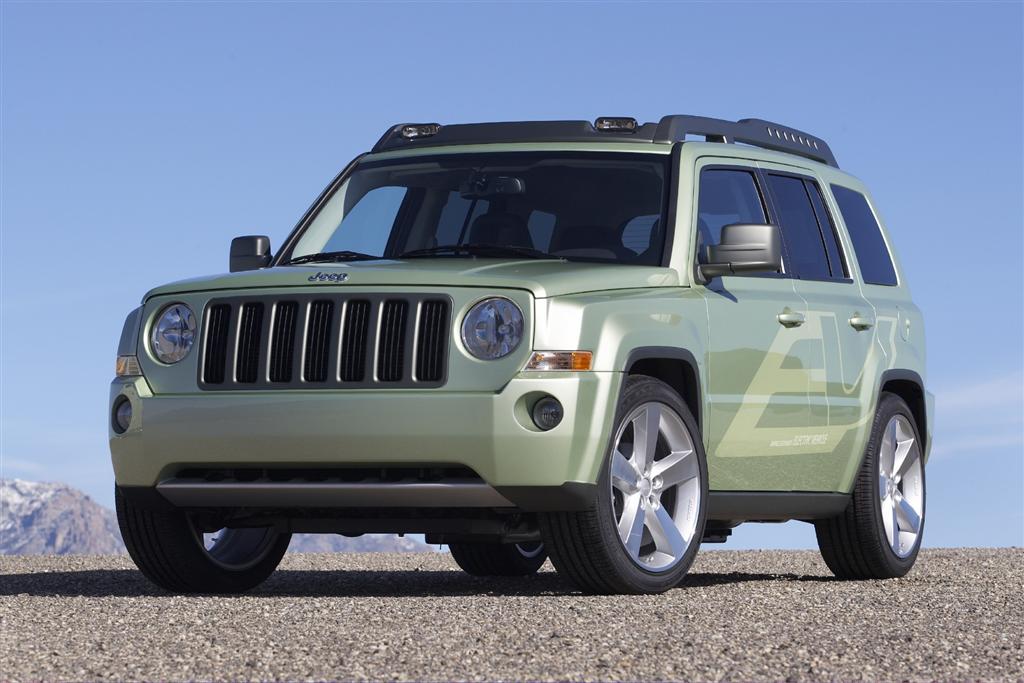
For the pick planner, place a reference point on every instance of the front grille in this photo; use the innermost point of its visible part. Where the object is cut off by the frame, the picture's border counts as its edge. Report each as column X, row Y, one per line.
column 391, row 348
column 317, row 342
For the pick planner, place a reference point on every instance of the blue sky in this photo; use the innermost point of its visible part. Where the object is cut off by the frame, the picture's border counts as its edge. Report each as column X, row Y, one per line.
column 137, row 139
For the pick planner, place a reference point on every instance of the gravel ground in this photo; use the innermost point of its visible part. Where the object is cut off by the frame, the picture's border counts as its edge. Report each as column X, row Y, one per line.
column 770, row 615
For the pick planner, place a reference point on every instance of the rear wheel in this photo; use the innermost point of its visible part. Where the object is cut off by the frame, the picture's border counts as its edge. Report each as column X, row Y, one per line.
column 499, row 559
column 644, row 528
column 879, row 534
column 173, row 551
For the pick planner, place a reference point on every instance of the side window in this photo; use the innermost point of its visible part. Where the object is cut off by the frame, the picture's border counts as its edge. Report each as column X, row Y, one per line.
column 638, row 232
column 869, row 245
column 368, row 224
column 828, row 232
column 541, row 226
column 805, row 250
column 726, row 196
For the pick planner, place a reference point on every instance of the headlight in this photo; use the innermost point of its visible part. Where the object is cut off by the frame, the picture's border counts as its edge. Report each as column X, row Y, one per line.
column 492, row 329
column 173, row 334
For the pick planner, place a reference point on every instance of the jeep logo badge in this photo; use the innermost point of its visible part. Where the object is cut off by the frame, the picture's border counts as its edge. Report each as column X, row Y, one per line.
column 328, row 277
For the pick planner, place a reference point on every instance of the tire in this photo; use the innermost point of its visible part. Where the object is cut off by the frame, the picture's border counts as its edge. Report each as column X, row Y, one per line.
column 170, row 551
column 586, row 547
column 860, row 543
column 499, row 559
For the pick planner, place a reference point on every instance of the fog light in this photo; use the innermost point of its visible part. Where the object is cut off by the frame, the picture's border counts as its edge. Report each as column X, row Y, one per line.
column 122, row 415
column 547, row 413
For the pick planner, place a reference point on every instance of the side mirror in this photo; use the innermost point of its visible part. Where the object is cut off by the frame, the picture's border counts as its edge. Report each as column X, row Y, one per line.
column 745, row 248
column 251, row 252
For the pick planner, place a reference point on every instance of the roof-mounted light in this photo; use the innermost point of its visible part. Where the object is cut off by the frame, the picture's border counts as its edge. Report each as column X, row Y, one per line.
column 615, row 124
column 420, row 130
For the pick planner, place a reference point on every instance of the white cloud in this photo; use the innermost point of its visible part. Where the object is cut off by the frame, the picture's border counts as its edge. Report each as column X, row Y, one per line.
column 1002, row 393
column 979, row 415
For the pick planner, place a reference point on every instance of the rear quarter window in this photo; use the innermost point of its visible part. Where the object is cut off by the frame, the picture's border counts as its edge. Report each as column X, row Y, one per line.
column 868, row 244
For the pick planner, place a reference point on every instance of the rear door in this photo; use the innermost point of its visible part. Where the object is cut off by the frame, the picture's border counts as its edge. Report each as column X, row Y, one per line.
column 756, row 380
column 840, row 323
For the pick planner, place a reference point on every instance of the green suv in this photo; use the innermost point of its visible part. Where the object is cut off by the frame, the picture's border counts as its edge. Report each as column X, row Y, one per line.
column 601, row 343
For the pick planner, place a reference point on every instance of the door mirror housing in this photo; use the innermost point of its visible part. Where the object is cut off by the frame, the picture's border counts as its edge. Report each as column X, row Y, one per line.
column 250, row 252
column 744, row 248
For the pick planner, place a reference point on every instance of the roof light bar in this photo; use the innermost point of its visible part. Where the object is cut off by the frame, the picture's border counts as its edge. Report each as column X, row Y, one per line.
column 420, row 130
column 616, row 124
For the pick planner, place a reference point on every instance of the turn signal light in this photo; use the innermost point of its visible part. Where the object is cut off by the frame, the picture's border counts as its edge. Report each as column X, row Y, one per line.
column 575, row 361
column 127, row 366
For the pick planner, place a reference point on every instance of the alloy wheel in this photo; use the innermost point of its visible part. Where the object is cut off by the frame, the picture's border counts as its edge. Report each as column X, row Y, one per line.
column 900, row 485
column 655, row 486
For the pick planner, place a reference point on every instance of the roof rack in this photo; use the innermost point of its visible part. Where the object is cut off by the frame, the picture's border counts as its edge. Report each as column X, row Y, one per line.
column 668, row 130
column 757, row 132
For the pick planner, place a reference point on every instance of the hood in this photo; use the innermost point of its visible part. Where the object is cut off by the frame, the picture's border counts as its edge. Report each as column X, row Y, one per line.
column 544, row 278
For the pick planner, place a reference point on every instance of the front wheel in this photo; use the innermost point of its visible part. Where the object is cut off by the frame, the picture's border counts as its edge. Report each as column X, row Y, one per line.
column 644, row 529
column 879, row 534
column 171, row 549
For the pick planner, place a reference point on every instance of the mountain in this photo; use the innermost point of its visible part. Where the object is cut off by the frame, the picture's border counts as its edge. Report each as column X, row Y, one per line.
column 44, row 518
column 367, row 543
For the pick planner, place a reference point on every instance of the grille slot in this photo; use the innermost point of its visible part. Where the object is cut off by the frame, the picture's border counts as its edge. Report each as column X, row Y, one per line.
column 318, row 340
column 325, row 340
column 282, row 341
column 215, row 356
column 353, row 341
column 247, row 360
column 391, row 352
column 432, row 341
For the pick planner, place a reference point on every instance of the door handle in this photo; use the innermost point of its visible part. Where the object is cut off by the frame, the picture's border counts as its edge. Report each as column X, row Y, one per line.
column 790, row 318
column 861, row 323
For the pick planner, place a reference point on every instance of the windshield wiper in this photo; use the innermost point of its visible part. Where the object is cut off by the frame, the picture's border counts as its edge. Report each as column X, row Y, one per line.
column 333, row 257
column 494, row 250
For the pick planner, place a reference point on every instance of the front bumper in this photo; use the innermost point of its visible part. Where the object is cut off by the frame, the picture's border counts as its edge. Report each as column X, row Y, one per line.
column 490, row 433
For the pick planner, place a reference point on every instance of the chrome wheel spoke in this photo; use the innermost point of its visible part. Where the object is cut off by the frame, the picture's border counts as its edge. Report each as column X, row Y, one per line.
column 665, row 533
column 675, row 468
column 624, row 474
column 889, row 519
column 906, row 456
column 909, row 519
column 646, row 427
column 888, row 450
column 631, row 524
column 894, row 536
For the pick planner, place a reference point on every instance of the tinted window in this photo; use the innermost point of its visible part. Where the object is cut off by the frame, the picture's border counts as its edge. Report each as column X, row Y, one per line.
column 456, row 217
column 637, row 234
column 869, row 245
column 828, row 232
column 541, row 226
column 570, row 205
column 805, row 251
column 378, row 207
column 726, row 196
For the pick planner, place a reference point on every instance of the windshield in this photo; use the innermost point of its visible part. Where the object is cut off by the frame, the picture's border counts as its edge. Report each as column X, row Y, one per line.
column 575, row 206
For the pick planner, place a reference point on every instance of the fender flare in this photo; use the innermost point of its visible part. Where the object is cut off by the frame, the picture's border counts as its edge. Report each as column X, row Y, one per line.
column 673, row 353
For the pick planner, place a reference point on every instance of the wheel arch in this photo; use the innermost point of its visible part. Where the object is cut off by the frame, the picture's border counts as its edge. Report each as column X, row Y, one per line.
column 909, row 386
column 675, row 367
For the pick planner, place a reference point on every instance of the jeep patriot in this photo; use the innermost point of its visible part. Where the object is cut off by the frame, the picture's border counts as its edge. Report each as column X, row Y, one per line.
column 602, row 344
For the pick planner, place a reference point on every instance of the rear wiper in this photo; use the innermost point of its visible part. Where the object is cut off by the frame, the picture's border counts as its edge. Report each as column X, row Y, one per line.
column 333, row 256
column 495, row 250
